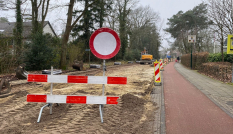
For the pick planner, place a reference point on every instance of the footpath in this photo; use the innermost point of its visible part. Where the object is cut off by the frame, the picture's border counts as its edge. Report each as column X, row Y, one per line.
column 196, row 104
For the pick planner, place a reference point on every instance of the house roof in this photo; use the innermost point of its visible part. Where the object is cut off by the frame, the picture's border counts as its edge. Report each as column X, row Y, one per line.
column 7, row 28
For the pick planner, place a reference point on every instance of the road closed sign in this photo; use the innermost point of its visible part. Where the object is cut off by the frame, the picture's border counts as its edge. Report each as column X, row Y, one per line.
column 105, row 43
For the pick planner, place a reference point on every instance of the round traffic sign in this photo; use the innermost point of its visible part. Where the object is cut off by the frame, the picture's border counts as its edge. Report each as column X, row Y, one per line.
column 105, row 43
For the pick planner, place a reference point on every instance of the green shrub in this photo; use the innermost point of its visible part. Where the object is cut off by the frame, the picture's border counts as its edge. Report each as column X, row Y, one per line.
column 7, row 58
column 75, row 52
column 41, row 53
column 217, row 57
column 136, row 54
column 132, row 55
column 128, row 56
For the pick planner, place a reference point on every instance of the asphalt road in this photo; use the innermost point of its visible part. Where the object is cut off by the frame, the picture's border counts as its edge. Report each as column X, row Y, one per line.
column 188, row 110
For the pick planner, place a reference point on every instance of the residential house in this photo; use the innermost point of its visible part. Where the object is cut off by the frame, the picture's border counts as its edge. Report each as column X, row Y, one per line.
column 7, row 30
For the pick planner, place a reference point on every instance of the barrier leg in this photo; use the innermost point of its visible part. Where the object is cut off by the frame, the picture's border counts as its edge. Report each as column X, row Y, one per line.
column 51, row 108
column 38, row 120
column 101, row 107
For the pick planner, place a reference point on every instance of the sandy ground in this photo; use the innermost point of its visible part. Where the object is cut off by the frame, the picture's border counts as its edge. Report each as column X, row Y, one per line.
column 133, row 114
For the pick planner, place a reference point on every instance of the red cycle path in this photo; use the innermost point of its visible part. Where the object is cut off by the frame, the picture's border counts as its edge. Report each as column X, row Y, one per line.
column 188, row 110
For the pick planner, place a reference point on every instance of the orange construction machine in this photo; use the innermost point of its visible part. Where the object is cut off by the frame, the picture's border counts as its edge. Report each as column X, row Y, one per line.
column 145, row 57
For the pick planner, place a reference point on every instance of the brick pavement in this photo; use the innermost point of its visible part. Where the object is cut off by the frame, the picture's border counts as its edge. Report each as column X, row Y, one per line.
column 188, row 110
column 218, row 92
column 158, row 97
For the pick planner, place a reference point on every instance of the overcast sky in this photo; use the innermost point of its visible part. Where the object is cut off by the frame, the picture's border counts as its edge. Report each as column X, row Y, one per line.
column 165, row 8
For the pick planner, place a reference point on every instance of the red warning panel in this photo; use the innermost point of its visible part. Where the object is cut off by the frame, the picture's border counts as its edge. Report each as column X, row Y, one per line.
column 77, row 79
column 112, row 100
column 36, row 98
column 37, row 78
column 76, row 99
column 157, row 72
column 117, row 80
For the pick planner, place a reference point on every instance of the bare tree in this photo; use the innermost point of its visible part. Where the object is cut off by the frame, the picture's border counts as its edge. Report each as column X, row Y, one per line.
column 142, row 16
column 69, row 25
column 124, row 7
column 112, row 18
column 44, row 5
column 138, row 20
column 220, row 13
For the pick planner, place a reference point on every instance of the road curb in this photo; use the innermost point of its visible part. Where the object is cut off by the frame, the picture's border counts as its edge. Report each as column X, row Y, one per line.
column 162, row 112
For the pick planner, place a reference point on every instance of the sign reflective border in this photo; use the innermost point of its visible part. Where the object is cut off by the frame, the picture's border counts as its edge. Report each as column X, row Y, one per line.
column 105, row 43
column 230, row 44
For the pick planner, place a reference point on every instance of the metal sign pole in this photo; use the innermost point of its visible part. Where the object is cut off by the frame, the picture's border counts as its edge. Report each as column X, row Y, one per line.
column 191, row 39
column 232, row 73
column 89, row 57
column 191, row 56
column 51, row 90
column 101, row 107
column 104, row 68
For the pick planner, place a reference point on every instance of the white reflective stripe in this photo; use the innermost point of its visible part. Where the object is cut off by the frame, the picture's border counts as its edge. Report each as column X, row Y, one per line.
column 97, row 80
column 57, row 78
column 96, row 100
column 56, row 98
column 157, row 67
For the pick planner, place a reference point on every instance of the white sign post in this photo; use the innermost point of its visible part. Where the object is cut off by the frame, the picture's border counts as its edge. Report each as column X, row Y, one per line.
column 104, row 44
column 191, row 39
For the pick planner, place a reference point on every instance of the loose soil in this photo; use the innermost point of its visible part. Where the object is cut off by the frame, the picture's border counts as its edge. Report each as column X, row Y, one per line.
column 133, row 114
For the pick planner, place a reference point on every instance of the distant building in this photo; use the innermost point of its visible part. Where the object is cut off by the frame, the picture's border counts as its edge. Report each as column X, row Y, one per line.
column 7, row 28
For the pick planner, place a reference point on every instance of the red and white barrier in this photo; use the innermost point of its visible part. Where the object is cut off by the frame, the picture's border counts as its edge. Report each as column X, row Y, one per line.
column 157, row 72
column 50, row 99
column 72, row 99
column 165, row 62
column 76, row 79
column 161, row 64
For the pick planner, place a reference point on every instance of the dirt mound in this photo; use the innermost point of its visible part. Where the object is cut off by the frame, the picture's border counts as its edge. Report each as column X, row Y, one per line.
column 131, row 102
column 15, row 95
column 127, row 117
column 133, row 114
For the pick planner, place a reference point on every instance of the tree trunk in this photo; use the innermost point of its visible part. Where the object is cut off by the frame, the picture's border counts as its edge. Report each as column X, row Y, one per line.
column 18, row 30
column 66, row 36
column 37, row 27
column 222, row 38
column 101, row 13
